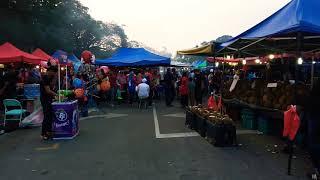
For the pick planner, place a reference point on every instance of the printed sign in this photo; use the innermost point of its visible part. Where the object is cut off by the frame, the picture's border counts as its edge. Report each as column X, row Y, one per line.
column 272, row 85
column 66, row 120
column 234, row 82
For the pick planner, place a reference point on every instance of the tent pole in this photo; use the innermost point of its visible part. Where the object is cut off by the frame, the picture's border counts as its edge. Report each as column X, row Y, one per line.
column 299, row 44
column 312, row 72
column 66, row 77
column 59, row 86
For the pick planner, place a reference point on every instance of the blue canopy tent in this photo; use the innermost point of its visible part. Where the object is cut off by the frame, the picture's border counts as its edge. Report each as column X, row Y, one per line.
column 71, row 58
column 58, row 54
column 297, row 22
column 195, row 63
column 134, row 57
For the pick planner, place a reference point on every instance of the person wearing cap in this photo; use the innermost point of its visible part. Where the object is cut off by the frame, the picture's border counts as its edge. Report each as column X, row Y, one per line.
column 143, row 89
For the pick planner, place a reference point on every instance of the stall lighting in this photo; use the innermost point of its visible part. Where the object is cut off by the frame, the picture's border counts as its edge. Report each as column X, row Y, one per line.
column 260, row 62
column 228, row 57
column 217, row 64
column 244, row 62
column 257, row 61
column 300, row 60
column 313, row 62
column 37, row 66
column 271, row 56
column 62, row 68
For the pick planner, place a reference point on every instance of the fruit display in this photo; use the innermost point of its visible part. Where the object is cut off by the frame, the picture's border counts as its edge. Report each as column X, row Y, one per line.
column 219, row 129
column 210, row 115
column 257, row 93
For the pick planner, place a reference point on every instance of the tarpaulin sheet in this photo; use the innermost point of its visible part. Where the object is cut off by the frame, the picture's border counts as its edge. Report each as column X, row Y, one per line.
column 134, row 57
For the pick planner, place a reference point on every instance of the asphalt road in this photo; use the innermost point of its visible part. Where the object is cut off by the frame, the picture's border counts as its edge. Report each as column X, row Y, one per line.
column 123, row 145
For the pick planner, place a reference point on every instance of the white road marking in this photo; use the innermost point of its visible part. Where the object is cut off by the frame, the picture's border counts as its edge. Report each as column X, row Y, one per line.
column 156, row 122
column 110, row 115
column 177, row 115
column 187, row 134
column 177, row 135
column 173, row 135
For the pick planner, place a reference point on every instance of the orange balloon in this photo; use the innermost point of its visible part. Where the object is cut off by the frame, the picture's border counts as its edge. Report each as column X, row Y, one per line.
column 79, row 92
column 105, row 86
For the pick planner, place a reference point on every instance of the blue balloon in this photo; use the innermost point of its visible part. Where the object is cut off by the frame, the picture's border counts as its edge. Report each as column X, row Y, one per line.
column 77, row 83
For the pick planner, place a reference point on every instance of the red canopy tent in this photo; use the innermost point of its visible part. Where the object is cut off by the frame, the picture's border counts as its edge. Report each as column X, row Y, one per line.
column 40, row 53
column 11, row 54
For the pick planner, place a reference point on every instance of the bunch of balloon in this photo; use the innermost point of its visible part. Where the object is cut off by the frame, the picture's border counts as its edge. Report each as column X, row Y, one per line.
column 89, row 70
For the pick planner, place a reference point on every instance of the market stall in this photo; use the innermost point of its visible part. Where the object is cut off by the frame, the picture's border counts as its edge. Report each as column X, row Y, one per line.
column 132, row 57
column 65, row 111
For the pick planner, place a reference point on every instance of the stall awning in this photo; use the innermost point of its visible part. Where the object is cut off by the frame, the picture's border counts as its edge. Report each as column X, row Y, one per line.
column 134, row 57
column 204, row 50
column 11, row 54
column 40, row 53
column 278, row 33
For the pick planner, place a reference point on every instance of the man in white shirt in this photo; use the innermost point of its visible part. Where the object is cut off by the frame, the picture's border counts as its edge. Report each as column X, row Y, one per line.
column 143, row 89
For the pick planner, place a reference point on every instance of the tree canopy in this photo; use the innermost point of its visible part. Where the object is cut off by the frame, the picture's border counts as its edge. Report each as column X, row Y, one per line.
column 57, row 24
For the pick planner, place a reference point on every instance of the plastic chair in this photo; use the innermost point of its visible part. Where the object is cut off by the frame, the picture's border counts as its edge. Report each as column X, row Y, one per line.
column 13, row 103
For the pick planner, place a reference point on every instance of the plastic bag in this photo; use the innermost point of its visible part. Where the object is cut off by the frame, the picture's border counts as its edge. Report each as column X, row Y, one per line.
column 291, row 123
column 212, row 103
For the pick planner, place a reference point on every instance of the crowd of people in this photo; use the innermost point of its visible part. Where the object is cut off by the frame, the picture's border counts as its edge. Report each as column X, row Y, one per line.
column 191, row 86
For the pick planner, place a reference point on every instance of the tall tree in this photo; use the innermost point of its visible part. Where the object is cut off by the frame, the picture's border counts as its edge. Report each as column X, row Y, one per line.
column 57, row 24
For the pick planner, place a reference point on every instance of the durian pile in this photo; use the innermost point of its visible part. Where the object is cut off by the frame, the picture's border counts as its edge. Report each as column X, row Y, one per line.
column 212, row 116
column 259, row 94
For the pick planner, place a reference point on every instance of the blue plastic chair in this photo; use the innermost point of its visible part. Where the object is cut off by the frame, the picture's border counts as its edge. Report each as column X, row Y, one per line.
column 15, row 114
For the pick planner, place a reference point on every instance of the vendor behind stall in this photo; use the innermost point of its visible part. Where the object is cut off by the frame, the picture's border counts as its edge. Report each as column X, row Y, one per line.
column 46, row 96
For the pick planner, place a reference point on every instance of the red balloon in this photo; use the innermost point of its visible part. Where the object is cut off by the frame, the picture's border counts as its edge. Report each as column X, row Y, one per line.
column 86, row 56
column 79, row 93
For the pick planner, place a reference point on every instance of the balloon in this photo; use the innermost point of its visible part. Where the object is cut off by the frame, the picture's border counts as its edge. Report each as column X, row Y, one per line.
column 86, row 56
column 105, row 69
column 79, row 93
column 77, row 83
column 105, row 86
column 98, row 71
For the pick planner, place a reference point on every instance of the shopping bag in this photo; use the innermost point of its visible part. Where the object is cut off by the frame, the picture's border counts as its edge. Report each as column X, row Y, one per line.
column 291, row 123
column 212, row 103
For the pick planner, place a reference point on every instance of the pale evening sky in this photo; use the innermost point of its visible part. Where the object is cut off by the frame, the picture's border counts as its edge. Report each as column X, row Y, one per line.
column 182, row 24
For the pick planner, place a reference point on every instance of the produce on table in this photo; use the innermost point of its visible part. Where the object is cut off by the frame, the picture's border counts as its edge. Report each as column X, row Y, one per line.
column 257, row 93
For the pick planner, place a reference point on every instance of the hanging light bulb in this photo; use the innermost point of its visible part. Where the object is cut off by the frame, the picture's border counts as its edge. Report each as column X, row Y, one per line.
column 257, row 61
column 244, row 62
column 37, row 66
column 313, row 62
column 217, row 64
column 271, row 56
column 300, row 60
column 62, row 68
column 228, row 57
